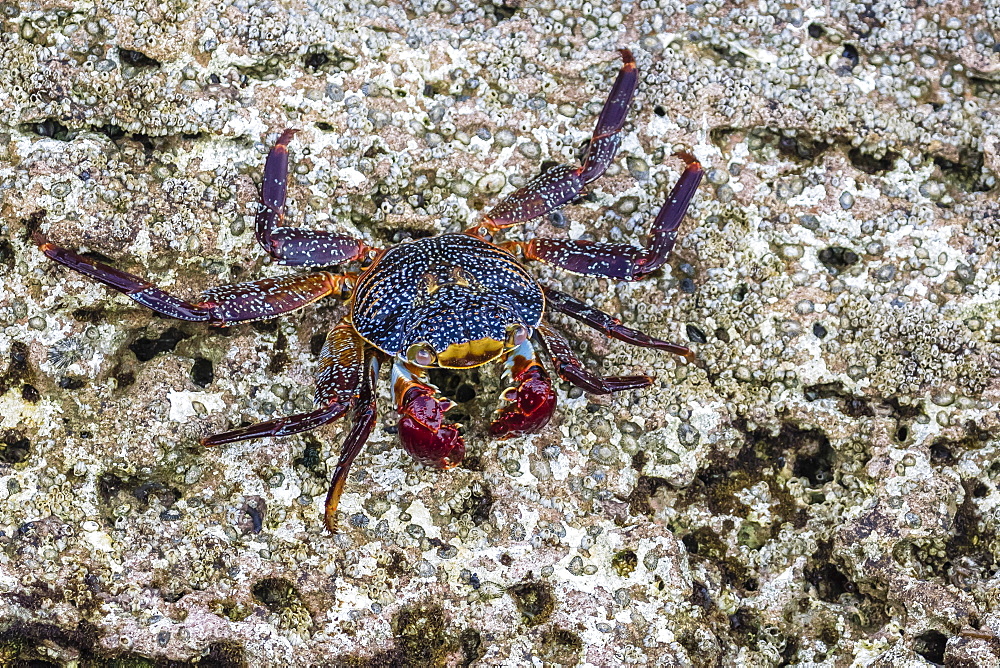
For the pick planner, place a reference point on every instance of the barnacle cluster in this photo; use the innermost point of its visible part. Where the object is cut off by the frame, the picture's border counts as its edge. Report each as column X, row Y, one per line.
column 819, row 487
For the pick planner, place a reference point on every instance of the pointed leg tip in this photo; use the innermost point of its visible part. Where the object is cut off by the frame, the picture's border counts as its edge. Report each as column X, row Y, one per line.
column 285, row 138
column 627, row 58
column 330, row 512
column 693, row 359
column 689, row 159
column 42, row 241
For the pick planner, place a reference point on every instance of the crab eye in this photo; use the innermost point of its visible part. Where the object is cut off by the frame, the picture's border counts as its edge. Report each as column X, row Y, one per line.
column 516, row 335
column 422, row 354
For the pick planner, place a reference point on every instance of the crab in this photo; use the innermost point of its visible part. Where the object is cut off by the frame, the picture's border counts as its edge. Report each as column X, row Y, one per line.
column 452, row 301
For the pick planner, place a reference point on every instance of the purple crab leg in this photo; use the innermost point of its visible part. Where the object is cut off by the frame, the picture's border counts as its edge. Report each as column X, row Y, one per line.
column 341, row 365
column 284, row 426
column 611, row 326
column 345, row 382
column 569, row 367
column 254, row 300
column 623, row 261
column 291, row 245
column 362, row 424
column 562, row 184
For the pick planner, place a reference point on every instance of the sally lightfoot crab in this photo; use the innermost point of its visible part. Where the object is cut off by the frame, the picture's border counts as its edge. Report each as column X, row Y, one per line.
column 453, row 301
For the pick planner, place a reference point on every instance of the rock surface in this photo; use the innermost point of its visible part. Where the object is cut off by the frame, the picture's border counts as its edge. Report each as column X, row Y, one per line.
column 821, row 491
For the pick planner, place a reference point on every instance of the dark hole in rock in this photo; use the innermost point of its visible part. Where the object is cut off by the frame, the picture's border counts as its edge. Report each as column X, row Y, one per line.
column 700, row 596
column 14, row 447
column 224, row 654
column 479, row 504
column 829, row 582
column 471, row 641
column 93, row 315
column 852, row 405
column 30, row 394
column 167, row 495
column 819, row 331
column 815, row 459
column 869, row 164
column 276, row 594
column 967, row 173
column 70, row 383
column 421, row 636
column 941, row 455
column 136, row 58
column 265, row 326
column 902, row 433
column 464, row 393
column 645, row 489
column 124, row 377
column 850, row 54
column 17, row 367
column 503, row 10
column 202, row 373
column 6, row 254
column 534, row 600
column 659, row 111
column 745, row 625
column 931, row 645
column 110, row 131
column 816, row 30
column 310, row 457
column 314, row 61
column 561, row 647
column 802, row 147
column 838, row 258
column 146, row 348
column 316, row 342
column 50, row 128
column 472, row 463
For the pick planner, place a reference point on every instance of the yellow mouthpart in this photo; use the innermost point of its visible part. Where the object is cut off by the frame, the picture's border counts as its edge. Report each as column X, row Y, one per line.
column 470, row 354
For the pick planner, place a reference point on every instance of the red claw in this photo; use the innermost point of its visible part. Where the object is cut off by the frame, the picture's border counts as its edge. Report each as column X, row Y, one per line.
column 422, row 433
column 531, row 405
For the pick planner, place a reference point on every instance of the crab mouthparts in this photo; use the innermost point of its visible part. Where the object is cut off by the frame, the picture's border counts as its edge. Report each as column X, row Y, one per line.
column 470, row 353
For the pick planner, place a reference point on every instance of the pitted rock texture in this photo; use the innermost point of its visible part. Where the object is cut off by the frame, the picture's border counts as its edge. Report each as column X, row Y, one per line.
column 819, row 490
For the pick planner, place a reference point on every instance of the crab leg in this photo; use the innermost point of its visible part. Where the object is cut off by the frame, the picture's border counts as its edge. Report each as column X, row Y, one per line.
column 254, row 300
column 562, row 184
column 422, row 430
column 531, row 400
column 622, row 261
column 341, row 384
column 362, row 423
column 341, row 365
column 609, row 325
column 569, row 367
column 291, row 245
